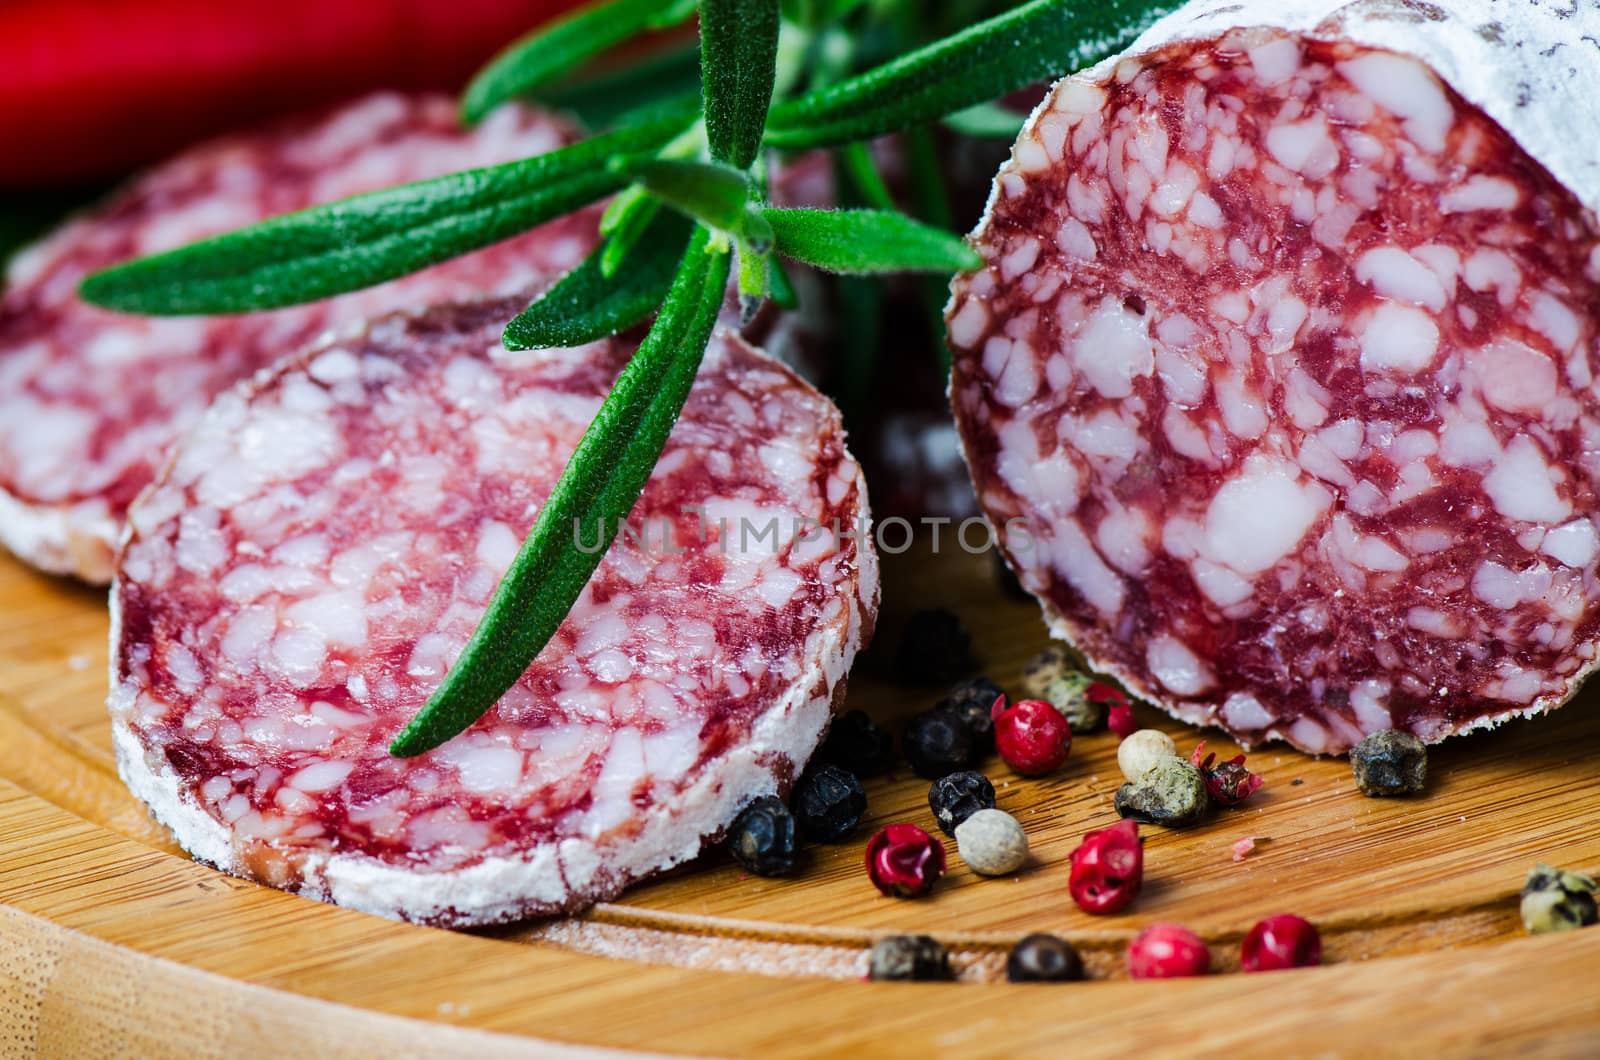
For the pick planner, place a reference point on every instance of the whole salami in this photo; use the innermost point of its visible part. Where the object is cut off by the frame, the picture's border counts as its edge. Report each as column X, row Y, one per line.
column 322, row 544
column 90, row 400
column 1281, row 377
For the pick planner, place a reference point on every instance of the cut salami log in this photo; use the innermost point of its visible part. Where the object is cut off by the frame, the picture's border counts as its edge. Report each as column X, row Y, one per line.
column 325, row 540
column 90, row 400
column 1281, row 377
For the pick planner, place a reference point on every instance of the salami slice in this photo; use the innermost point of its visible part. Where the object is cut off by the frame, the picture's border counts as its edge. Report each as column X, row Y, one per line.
column 323, row 543
column 1281, row 375
column 90, row 400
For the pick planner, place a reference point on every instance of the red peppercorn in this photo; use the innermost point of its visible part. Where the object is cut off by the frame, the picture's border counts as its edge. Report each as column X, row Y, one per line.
column 1032, row 736
column 904, row 860
column 1119, row 713
column 1228, row 783
column 1107, row 869
column 1278, row 942
column 1167, row 951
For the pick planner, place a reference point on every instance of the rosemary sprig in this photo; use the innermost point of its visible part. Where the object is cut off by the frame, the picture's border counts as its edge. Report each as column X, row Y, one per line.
column 678, row 165
column 602, row 482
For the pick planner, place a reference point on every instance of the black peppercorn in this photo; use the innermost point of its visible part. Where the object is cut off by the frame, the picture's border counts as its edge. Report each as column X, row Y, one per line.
column 937, row 743
column 858, row 745
column 1390, row 762
column 971, row 701
column 828, row 803
column 956, row 797
column 1043, row 958
column 763, row 838
column 934, row 650
column 909, row 957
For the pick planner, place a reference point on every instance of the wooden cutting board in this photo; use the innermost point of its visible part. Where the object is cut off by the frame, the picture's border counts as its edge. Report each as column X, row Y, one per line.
column 111, row 941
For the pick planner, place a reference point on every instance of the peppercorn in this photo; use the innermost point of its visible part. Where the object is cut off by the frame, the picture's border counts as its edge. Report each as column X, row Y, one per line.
column 1172, row 793
column 936, row 743
column 858, row 745
column 1390, row 762
column 763, row 838
column 934, row 650
column 1031, row 736
column 1046, row 667
column 1557, row 900
column 904, row 860
column 1167, row 951
column 1280, row 942
column 1120, row 720
column 971, row 702
column 828, row 803
column 1139, row 752
column 1071, row 694
column 992, row 843
column 908, row 958
column 1107, row 869
column 1228, row 783
column 955, row 797
column 1043, row 958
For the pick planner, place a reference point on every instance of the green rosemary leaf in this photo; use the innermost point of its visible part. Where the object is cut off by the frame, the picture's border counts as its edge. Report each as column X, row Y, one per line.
column 986, row 121
column 738, row 62
column 562, row 46
column 365, row 240
column 780, row 287
column 1038, row 40
column 709, row 192
column 818, row 12
column 589, row 303
column 856, row 161
column 600, row 100
column 626, row 230
column 867, row 241
column 597, row 490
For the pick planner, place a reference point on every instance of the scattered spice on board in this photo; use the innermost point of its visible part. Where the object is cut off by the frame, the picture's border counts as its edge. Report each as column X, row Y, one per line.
column 1557, row 900
column 1171, row 793
column 1043, row 958
column 957, row 796
column 1228, row 783
column 1389, row 763
column 1243, row 848
column 1107, row 869
column 828, row 803
column 971, row 701
column 904, row 861
column 908, row 958
column 992, row 843
column 1141, row 750
column 937, row 742
column 1167, row 951
column 1031, row 736
column 1280, row 942
column 762, row 838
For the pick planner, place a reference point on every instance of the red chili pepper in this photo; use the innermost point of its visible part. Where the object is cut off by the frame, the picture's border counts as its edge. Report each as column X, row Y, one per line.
column 93, row 87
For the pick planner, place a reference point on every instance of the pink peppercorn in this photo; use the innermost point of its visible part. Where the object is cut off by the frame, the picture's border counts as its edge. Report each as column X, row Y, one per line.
column 1032, row 735
column 904, row 860
column 1119, row 715
column 1167, row 951
column 1107, row 869
column 1279, row 942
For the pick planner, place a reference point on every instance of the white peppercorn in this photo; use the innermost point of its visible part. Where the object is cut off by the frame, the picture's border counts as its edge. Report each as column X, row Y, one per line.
column 1139, row 752
column 992, row 843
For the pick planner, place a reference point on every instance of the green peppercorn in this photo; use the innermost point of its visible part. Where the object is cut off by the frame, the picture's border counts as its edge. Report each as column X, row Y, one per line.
column 909, row 957
column 1390, row 762
column 1045, row 667
column 1069, row 694
column 1172, row 793
column 1557, row 900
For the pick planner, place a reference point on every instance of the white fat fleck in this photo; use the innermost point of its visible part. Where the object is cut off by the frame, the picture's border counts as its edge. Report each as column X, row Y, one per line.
column 1104, row 434
column 1243, row 412
column 1394, row 273
column 488, row 770
column 1284, row 320
column 1555, row 321
column 1019, row 259
column 337, row 617
column 1514, row 376
column 1406, row 89
column 1204, row 211
column 1084, row 570
column 1222, row 586
column 1014, row 367
column 1398, row 338
column 1185, row 436
column 1261, row 515
column 1523, row 486
column 1243, row 711
column 298, row 654
column 1123, row 539
column 1574, row 544
column 1434, row 622
column 969, row 322
column 1480, row 192
column 1051, row 484
column 1500, row 586
column 1176, row 667
column 1305, row 147
column 1467, row 443
column 1113, row 349
column 321, row 776
column 497, row 546
column 1172, row 195
column 1365, row 550
column 1075, row 240
column 1489, row 269
column 1368, row 700
column 1276, row 60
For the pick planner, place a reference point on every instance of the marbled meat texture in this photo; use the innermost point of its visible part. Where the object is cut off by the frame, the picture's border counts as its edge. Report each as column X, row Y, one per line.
column 90, row 400
column 327, row 538
column 1284, row 361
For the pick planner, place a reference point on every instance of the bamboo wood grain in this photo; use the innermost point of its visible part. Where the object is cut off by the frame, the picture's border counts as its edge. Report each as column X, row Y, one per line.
column 1416, row 899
